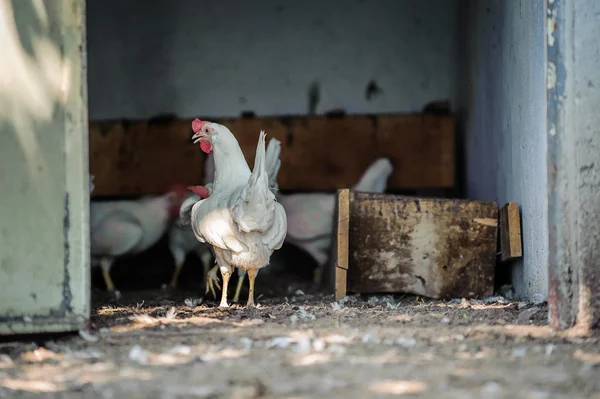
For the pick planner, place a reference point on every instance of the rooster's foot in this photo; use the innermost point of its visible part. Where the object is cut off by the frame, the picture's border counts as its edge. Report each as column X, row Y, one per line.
column 212, row 281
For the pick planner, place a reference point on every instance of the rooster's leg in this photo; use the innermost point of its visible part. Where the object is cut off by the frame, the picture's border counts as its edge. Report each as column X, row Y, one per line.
column 106, row 264
column 251, row 276
column 226, row 273
column 179, row 259
column 318, row 275
column 176, row 276
column 241, row 276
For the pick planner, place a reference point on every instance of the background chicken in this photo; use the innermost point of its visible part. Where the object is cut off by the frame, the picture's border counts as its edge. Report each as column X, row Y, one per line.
column 241, row 218
column 182, row 241
column 310, row 215
column 127, row 227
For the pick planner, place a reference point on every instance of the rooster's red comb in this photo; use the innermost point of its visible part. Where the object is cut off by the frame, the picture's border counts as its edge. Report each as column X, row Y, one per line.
column 197, row 124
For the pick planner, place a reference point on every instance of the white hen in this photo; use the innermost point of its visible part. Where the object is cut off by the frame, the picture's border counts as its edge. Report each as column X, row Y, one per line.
column 128, row 227
column 241, row 218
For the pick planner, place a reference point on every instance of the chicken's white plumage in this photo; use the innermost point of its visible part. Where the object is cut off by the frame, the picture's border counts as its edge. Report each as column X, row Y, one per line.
column 241, row 218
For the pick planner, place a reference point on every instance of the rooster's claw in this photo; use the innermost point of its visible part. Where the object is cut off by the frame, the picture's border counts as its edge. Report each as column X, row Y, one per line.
column 212, row 281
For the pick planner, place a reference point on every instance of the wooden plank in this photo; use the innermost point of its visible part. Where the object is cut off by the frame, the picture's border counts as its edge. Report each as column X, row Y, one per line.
column 510, row 232
column 343, row 227
column 342, row 234
column 340, row 283
column 318, row 153
column 431, row 247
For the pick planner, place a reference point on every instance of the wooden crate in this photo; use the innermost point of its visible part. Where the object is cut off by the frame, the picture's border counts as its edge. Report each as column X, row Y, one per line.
column 437, row 248
column 318, row 153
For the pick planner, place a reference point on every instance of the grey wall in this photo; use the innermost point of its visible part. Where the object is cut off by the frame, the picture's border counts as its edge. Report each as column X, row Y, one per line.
column 504, row 103
column 221, row 57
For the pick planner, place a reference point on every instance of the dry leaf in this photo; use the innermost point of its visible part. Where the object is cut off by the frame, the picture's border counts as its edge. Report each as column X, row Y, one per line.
column 586, row 357
column 171, row 313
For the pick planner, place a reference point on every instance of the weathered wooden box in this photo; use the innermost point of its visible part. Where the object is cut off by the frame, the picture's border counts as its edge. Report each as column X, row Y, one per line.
column 438, row 248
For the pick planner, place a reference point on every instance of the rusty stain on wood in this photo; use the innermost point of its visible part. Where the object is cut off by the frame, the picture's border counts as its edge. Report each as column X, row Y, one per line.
column 510, row 232
column 430, row 247
column 133, row 158
column 343, row 231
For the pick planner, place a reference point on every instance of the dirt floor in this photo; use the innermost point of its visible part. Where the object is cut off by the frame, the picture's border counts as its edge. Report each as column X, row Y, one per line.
column 155, row 344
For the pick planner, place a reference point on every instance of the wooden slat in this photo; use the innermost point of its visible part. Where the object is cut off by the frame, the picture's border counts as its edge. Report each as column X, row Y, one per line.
column 342, row 233
column 341, row 278
column 510, row 232
column 430, row 247
column 318, row 153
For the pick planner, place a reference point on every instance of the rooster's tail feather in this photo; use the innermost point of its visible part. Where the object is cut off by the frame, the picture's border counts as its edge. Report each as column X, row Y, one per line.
column 273, row 163
column 254, row 209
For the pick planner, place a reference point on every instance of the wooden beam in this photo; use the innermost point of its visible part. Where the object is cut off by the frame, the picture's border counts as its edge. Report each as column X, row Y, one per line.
column 143, row 158
column 318, row 153
column 430, row 247
column 510, row 232
column 343, row 234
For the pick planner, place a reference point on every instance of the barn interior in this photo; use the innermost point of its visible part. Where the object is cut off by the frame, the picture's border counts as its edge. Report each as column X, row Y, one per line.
column 150, row 66
column 485, row 109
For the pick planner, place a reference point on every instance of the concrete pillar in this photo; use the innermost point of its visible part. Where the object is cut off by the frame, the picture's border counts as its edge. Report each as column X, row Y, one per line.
column 573, row 134
column 44, row 232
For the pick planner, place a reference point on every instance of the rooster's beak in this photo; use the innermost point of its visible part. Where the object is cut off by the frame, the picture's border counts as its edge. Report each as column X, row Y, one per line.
column 197, row 137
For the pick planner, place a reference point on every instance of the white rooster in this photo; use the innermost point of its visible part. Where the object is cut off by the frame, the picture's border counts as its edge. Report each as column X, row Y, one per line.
column 273, row 163
column 309, row 215
column 128, row 227
column 241, row 218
